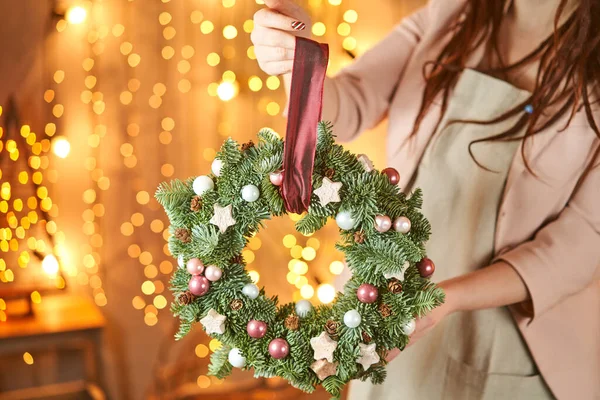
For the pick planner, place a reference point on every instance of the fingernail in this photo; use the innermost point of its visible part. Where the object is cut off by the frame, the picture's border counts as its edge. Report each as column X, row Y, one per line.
column 298, row 25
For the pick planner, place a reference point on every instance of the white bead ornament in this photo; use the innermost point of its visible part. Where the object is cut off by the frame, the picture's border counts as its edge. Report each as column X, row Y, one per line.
column 180, row 261
column 216, row 166
column 202, row 184
column 213, row 273
column 402, row 225
column 236, row 358
column 303, row 307
column 251, row 291
column 250, row 193
column 345, row 220
column 409, row 327
column 352, row 319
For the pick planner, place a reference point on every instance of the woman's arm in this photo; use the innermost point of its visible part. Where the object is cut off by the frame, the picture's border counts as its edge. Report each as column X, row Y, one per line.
column 495, row 286
column 358, row 97
column 563, row 258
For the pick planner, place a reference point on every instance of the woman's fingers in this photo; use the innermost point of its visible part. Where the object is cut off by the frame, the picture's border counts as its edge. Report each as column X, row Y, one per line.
column 270, row 54
column 277, row 67
column 274, row 50
column 393, row 353
column 272, row 19
column 262, row 36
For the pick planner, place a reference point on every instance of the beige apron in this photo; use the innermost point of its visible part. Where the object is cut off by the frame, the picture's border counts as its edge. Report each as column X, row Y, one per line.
column 470, row 355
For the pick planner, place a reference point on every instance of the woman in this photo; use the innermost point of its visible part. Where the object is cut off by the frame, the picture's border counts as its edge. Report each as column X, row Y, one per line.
column 502, row 136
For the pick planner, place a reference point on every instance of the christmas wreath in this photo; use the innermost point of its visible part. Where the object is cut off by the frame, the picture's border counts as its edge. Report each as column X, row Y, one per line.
column 382, row 235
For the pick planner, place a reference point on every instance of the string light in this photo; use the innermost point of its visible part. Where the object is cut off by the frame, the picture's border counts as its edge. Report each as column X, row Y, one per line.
column 76, row 15
column 229, row 32
column 349, row 43
column 319, row 29
column 336, row 267
column 28, row 358
column 196, row 17
column 325, row 293
column 344, row 29
column 61, row 147
column 351, row 16
column 50, row 265
column 213, row 59
column 226, row 91
column 206, row 27
column 273, row 82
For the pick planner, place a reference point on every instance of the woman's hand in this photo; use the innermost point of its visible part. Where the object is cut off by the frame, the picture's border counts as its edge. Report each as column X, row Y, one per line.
column 274, row 35
column 428, row 322
column 498, row 285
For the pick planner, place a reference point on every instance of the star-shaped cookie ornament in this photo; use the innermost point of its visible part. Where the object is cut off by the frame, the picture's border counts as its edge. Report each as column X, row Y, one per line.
column 398, row 274
column 214, row 322
column 222, row 218
column 329, row 192
column 324, row 368
column 365, row 162
column 368, row 355
column 324, row 346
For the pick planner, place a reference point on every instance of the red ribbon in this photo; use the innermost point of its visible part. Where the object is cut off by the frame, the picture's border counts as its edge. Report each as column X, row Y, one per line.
column 304, row 114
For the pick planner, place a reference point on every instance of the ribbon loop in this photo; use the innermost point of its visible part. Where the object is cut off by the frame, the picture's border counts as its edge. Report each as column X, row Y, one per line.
column 304, row 114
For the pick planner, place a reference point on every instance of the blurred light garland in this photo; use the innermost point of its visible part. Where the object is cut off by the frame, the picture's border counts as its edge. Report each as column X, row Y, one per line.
column 235, row 58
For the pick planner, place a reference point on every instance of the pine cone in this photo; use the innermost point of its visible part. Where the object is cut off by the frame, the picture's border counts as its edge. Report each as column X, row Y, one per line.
column 183, row 235
column 385, row 310
column 331, row 327
column 292, row 322
column 394, row 286
column 248, row 145
column 359, row 237
column 196, row 203
column 238, row 260
column 329, row 172
column 366, row 338
column 185, row 298
column 236, row 304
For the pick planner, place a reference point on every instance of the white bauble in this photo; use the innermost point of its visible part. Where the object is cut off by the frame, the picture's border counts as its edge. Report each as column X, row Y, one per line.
column 180, row 261
column 251, row 291
column 202, row 184
column 303, row 307
column 345, row 220
column 409, row 327
column 352, row 319
column 250, row 193
column 216, row 166
column 236, row 358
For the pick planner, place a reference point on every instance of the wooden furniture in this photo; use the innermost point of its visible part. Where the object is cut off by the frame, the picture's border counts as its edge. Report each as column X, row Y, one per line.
column 60, row 324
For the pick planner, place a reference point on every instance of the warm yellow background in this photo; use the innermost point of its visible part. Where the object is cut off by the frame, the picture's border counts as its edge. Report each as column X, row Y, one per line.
column 123, row 144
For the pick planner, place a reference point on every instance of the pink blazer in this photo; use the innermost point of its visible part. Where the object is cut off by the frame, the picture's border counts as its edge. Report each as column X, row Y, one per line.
column 548, row 227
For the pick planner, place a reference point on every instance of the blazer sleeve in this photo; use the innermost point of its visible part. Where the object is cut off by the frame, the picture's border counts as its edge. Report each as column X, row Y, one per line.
column 564, row 256
column 365, row 89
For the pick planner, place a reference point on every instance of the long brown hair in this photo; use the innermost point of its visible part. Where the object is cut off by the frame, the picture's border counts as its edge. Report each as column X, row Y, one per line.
column 567, row 78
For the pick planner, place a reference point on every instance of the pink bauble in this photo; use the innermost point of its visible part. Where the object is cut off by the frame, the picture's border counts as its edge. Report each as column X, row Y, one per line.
column 402, row 225
column 367, row 293
column 383, row 223
column 392, row 174
column 195, row 266
column 256, row 329
column 276, row 178
column 199, row 285
column 213, row 273
column 426, row 267
column 279, row 348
